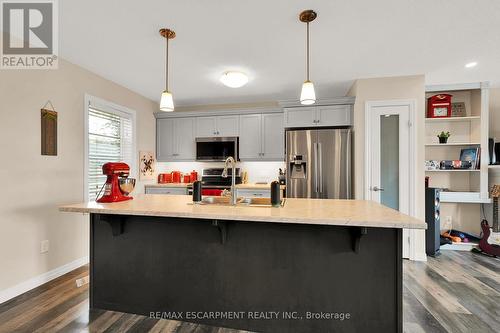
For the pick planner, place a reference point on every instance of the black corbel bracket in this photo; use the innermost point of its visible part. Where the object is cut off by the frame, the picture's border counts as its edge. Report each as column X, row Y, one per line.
column 116, row 222
column 222, row 226
column 356, row 234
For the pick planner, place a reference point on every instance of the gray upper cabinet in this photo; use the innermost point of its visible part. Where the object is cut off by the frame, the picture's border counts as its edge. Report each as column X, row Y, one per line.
column 175, row 139
column 185, row 146
column 228, row 125
column 334, row 115
column 331, row 115
column 273, row 136
column 250, row 137
column 261, row 134
column 205, row 127
column 217, row 126
column 164, row 139
column 262, row 137
column 300, row 117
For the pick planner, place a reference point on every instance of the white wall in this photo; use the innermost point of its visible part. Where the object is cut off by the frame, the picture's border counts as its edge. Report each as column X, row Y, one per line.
column 33, row 185
column 257, row 171
column 391, row 88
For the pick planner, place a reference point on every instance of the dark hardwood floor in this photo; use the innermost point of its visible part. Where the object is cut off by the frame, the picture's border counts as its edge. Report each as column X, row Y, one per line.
column 456, row 292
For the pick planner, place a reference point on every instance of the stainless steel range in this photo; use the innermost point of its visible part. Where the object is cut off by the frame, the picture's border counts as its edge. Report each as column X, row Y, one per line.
column 214, row 184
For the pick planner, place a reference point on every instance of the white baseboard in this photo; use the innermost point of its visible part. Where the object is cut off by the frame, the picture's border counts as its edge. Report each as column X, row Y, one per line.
column 420, row 257
column 32, row 283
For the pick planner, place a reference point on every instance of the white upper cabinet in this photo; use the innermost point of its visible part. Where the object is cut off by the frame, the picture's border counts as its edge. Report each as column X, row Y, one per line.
column 273, row 136
column 217, row 126
column 331, row 115
column 228, row 125
column 262, row 137
column 175, row 139
column 205, row 127
column 250, row 137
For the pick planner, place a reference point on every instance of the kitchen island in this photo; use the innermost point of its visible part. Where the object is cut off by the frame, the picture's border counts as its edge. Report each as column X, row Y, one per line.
column 310, row 266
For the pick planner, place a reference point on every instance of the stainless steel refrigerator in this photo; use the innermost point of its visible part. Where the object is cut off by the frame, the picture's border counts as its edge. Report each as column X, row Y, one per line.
column 319, row 163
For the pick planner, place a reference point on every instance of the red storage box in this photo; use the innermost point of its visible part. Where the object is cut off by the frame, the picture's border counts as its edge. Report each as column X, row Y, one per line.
column 439, row 106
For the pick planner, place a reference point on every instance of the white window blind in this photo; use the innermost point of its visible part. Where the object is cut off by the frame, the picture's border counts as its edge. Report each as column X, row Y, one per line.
column 110, row 139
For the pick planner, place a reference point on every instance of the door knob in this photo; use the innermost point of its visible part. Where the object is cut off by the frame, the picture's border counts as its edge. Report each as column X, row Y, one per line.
column 376, row 188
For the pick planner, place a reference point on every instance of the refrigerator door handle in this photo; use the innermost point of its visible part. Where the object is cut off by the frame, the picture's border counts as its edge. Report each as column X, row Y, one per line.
column 315, row 153
column 320, row 165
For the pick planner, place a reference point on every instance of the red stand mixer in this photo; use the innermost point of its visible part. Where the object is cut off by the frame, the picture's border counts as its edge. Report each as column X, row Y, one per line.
column 118, row 186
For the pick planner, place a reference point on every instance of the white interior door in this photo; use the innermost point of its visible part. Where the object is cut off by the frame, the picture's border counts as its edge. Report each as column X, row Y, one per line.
column 389, row 155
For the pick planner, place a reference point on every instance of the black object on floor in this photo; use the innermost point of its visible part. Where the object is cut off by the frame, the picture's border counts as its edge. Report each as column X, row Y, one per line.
column 432, row 218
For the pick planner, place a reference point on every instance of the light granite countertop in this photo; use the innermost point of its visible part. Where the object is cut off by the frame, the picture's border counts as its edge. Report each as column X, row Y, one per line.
column 360, row 213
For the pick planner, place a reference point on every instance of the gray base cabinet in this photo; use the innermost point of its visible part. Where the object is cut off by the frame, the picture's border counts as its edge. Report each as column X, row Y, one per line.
column 166, row 190
column 249, row 193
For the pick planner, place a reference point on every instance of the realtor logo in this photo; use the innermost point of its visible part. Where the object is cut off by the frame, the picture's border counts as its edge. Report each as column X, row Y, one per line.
column 29, row 38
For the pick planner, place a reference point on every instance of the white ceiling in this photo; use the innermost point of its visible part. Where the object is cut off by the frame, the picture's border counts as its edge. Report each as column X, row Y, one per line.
column 350, row 39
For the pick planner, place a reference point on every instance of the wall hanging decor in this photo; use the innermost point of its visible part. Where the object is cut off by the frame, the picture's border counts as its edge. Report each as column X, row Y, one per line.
column 146, row 165
column 48, row 130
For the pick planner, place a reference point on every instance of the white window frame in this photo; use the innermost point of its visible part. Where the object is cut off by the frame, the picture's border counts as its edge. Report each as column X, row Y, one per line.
column 119, row 110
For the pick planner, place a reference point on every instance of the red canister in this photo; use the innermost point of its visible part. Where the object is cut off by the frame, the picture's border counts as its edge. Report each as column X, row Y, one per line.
column 164, row 178
column 194, row 176
column 186, row 179
column 176, row 176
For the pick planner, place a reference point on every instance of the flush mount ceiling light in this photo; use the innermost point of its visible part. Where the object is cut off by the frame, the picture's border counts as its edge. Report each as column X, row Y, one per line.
column 471, row 64
column 234, row 79
column 167, row 101
column 307, row 95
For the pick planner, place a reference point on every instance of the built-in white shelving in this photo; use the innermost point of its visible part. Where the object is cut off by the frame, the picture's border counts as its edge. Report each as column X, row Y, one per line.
column 470, row 131
column 463, row 197
column 464, row 144
column 452, row 119
column 454, row 170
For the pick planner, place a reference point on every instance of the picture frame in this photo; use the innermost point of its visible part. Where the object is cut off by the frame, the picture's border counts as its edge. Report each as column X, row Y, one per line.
column 458, row 109
column 146, row 165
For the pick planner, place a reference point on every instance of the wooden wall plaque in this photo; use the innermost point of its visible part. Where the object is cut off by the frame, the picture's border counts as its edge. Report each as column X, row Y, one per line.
column 49, row 132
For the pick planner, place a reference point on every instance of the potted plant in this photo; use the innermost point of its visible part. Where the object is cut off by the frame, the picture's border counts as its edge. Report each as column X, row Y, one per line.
column 443, row 137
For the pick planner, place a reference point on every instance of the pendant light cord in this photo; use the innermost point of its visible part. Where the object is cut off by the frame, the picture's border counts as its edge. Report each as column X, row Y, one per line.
column 307, row 55
column 166, row 67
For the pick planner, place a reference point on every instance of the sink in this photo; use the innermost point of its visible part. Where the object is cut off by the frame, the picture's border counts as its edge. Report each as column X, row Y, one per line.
column 226, row 201
column 217, row 201
column 258, row 202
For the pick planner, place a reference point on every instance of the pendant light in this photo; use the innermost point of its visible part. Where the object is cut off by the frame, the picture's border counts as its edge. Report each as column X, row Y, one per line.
column 167, row 101
column 307, row 95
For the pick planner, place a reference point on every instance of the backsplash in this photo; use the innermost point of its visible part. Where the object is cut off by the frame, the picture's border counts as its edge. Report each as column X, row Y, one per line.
column 257, row 171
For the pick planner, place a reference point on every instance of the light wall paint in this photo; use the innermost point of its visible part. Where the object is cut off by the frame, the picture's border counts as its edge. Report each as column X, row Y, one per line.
column 391, row 88
column 257, row 171
column 33, row 185
column 494, row 175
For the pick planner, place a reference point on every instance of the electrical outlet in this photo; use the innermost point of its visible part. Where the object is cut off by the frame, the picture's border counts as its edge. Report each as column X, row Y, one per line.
column 447, row 225
column 44, row 246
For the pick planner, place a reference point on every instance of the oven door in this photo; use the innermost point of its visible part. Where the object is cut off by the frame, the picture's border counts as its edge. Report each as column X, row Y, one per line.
column 216, row 149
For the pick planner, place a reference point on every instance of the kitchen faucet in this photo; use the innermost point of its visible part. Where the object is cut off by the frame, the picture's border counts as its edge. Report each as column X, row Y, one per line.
column 233, row 177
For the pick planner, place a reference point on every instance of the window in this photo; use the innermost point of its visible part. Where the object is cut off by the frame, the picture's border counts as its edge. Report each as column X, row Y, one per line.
column 109, row 138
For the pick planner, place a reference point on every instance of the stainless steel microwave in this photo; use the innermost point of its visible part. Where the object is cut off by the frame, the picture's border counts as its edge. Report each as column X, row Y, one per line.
column 216, row 148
